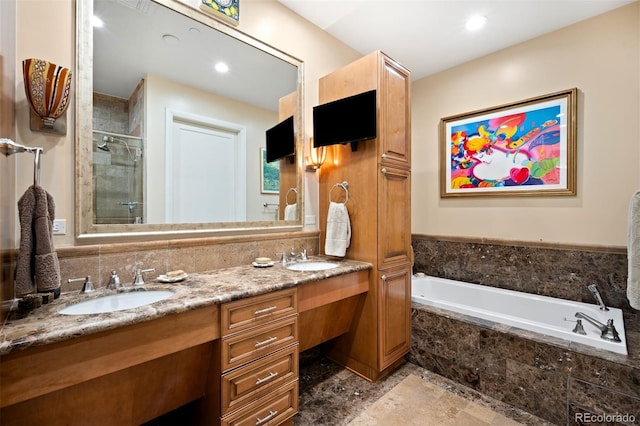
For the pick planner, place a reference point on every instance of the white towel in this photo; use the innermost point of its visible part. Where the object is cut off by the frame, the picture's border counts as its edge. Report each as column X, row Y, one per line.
column 291, row 212
column 633, row 252
column 338, row 230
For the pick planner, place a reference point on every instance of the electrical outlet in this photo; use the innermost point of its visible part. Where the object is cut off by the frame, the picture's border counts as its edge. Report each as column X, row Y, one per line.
column 310, row 219
column 60, row 227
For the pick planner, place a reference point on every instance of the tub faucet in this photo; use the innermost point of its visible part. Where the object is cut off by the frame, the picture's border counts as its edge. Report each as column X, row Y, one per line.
column 594, row 290
column 607, row 332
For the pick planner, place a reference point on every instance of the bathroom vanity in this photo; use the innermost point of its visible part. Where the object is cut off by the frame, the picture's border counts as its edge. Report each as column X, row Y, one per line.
column 227, row 341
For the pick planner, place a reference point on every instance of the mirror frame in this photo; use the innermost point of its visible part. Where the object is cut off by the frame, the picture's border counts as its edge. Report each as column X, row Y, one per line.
column 85, row 229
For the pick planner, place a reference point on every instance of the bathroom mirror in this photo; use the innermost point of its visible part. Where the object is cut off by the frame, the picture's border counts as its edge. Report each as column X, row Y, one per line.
column 166, row 146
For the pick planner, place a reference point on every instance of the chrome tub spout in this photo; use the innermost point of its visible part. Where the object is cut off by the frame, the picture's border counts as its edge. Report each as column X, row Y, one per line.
column 596, row 294
column 607, row 332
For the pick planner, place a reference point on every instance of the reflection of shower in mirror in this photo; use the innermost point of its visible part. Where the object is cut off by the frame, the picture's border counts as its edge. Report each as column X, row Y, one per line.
column 110, row 139
column 118, row 178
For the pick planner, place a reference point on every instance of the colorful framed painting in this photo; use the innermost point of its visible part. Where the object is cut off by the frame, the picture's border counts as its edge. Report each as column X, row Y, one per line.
column 226, row 10
column 269, row 174
column 524, row 148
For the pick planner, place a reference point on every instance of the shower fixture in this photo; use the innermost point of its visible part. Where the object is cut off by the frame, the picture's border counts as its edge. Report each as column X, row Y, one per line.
column 106, row 140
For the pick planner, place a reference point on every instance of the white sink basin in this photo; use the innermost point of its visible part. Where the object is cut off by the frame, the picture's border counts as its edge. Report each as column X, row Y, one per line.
column 312, row 266
column 116, row 302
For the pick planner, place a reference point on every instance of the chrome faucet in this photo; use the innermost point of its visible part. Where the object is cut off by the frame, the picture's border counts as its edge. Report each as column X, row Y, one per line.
column 87, row 287
column 594, row 290
column 138, row 280
column 607, row 332
column 114, row 281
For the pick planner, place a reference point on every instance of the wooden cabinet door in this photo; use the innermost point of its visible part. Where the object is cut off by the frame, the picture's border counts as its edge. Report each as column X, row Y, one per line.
column 394, row 217
column 394, row 315
column 394, row 119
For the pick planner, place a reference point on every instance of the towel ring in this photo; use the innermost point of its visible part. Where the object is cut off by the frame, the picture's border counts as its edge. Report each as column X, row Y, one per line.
column 286, row 197
column 345, row 186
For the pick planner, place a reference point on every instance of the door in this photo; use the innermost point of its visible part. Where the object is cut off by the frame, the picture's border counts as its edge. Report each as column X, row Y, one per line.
column 202, row 184
column 394, row 315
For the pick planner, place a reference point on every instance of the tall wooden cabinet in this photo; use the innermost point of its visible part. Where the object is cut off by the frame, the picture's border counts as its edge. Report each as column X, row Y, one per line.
column 379, row 176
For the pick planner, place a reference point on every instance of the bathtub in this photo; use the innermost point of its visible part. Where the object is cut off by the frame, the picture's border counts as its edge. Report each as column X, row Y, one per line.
column 540, row 314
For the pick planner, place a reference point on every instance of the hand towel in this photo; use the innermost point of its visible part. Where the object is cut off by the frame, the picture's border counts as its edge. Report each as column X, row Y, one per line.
column 37, row 266
column 291, row 212
column 633, row 252
column 338, row 235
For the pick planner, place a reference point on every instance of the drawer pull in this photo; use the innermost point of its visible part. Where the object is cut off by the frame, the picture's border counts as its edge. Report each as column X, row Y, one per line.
column 265, row 310
column 266, row 379
column 271, row 415
column 266, row 342
column 384, row 171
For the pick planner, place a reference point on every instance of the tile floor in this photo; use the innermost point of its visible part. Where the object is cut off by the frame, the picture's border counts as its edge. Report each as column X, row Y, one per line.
column 331, row 395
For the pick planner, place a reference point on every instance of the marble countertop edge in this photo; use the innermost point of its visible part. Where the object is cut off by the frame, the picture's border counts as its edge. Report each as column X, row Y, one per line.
column 44, row 325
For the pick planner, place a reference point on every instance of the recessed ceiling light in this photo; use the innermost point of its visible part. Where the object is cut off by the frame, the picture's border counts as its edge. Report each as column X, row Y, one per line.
column 221, row 67
column 475, row 22
column 97, row 22
column 171, row 40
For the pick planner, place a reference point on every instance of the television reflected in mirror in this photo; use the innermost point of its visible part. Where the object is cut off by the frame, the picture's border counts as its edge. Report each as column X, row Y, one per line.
column 281, row 141
column 347, row 120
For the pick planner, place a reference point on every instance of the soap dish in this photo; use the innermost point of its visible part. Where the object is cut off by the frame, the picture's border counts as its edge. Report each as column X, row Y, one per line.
column 263, row 265
column 166, row 279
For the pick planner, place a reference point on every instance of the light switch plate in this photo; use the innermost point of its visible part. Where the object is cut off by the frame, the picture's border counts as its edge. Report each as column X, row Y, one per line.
column 59, row 227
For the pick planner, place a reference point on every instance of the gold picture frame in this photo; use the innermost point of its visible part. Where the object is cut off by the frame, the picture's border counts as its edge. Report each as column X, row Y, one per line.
column 525, row 148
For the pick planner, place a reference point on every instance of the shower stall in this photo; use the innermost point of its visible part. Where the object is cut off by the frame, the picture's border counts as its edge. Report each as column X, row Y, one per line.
column 118, row 172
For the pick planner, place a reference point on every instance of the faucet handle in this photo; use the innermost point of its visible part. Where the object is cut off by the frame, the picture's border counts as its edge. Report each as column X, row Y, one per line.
column 114, row 281
column 138, row 280
column 87, row 287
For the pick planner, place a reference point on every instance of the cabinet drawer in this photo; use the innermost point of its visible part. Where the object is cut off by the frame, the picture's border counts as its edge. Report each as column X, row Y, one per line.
column 246, row 347
column 276, row 408
column 254, row 380
column 246, row 313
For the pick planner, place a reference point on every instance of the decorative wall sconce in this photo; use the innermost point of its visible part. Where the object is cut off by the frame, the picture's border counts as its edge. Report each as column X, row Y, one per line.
column 47, row 87
column 316, row 157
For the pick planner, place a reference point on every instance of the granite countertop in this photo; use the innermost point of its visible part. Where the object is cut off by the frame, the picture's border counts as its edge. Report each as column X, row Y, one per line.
column 45, row 325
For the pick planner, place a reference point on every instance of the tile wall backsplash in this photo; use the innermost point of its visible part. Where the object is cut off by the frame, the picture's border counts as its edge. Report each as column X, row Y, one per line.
column 556, row 271
column 190, row 255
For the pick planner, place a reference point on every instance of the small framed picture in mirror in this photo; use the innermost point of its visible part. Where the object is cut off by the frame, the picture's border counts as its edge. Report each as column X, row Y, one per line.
column 225, row 10
column 269, row 174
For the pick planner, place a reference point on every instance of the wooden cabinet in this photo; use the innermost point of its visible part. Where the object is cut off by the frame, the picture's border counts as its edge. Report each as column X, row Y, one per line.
column 394, row 307
column 379, row 177
column 259, row 359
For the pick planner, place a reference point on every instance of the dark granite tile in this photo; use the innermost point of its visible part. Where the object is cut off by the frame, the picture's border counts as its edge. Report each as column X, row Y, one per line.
column 508, row 346
column 549, row 389
column 623, row 378
column 600, row 400
column 507, row 392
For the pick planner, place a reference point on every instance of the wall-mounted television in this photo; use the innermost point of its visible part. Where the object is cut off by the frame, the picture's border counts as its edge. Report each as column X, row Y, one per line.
column 281, row 140
column 347, row 120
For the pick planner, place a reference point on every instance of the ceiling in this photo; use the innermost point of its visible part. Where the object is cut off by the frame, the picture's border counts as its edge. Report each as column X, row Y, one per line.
column 140, row 37
column 428, row 36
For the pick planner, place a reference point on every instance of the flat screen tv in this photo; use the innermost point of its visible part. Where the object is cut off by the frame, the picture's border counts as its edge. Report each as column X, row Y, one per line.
column 347, row 120
column 281, row 140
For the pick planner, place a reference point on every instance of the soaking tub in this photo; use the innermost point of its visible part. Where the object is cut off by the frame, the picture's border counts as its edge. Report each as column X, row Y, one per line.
column 541, row 314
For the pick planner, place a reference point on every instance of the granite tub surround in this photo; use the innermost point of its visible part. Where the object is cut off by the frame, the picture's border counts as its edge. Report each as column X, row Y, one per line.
column 45, row 325
column 551, row 378
column 546, row 269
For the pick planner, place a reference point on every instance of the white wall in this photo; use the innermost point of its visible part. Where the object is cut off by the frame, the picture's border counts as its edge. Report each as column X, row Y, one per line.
column 601, row 57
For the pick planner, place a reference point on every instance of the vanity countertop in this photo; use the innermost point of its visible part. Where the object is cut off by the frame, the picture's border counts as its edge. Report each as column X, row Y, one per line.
column 45, row 325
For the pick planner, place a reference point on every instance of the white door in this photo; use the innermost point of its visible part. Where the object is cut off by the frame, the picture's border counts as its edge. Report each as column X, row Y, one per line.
column 202, row 178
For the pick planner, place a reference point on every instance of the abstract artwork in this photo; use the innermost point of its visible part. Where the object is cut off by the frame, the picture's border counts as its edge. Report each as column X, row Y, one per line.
column 524, row 148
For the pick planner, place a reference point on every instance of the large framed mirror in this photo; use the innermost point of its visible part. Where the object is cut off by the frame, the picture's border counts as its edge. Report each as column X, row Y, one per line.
column 166, row 146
